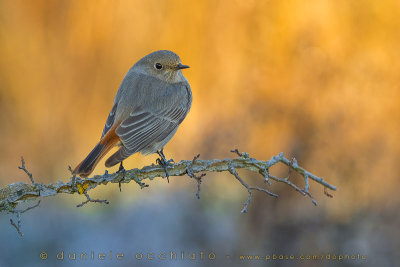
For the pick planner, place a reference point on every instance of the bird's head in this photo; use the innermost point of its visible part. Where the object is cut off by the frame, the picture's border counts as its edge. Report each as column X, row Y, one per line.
column 163, row 64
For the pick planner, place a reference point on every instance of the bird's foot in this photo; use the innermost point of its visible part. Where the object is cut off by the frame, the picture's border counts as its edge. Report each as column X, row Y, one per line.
column 162, row 161
column 121, row 169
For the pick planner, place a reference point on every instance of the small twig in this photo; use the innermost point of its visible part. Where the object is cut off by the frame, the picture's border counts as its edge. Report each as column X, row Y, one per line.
column 29, row 208
column 142, row 185
column 89, row 199
column 190, row 173
column 17, row 227
column 19, row 212
column 263, row 169
column 293, row 163
column 73, row 179
column 249, row 188
column 244, row 210
column 306, row 184
column 72, row 173
column 265, row 172
column 70, row 170
column 22, row 167
column 305, row 192
column 240, row 154
column 300, row 190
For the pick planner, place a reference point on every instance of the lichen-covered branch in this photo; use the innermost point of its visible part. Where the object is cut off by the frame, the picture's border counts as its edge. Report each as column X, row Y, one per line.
column 13, row 194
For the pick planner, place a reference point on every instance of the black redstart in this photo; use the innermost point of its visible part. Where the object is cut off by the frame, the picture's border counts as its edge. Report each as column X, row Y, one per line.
column 152, row 101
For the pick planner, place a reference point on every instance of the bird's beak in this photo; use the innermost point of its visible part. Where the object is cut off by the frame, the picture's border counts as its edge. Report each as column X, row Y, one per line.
column 181, row 66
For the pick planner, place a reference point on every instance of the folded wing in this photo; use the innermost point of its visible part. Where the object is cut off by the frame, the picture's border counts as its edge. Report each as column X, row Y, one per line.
column 144, row 130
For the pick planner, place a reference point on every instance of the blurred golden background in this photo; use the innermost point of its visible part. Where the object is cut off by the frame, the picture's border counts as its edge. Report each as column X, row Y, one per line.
column 318, row 80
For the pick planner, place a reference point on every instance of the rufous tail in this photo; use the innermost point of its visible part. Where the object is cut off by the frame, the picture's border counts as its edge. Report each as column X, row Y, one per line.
column 86, row 167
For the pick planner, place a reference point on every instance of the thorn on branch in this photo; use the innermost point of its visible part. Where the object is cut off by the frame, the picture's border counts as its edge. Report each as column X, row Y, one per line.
column 89, row 199
column 140, row 183
column 242, row 155
column 70, row 170
column 73, row 179
column 232, row 170
column 190, row 173
column 327, row 193
column 122, row 170
column 22, row 167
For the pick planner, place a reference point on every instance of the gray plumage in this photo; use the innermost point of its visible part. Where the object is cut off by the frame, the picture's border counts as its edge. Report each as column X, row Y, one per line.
column 152, row 101
column 157, row 102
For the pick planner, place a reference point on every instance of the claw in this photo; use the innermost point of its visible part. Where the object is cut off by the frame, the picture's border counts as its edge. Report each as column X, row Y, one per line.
column 164, row 163
column 121, row 169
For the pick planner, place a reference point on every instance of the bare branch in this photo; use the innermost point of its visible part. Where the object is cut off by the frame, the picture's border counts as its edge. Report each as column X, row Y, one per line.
column 89, row 199
column 29, row 208
column 19, row 212
column 13, row 194
column 249, row 188
column 17, row 227
column 190, row 173
column 22, row 167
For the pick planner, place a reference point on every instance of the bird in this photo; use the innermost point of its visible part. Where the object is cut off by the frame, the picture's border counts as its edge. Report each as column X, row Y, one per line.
column 151, row 103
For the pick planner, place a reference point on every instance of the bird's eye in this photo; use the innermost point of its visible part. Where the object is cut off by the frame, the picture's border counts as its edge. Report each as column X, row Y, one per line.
column 158, row 66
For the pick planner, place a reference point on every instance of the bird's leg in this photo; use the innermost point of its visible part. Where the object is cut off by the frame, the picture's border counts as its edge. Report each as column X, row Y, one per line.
column 163, row 162
column 121, row 169
column 161, row 154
